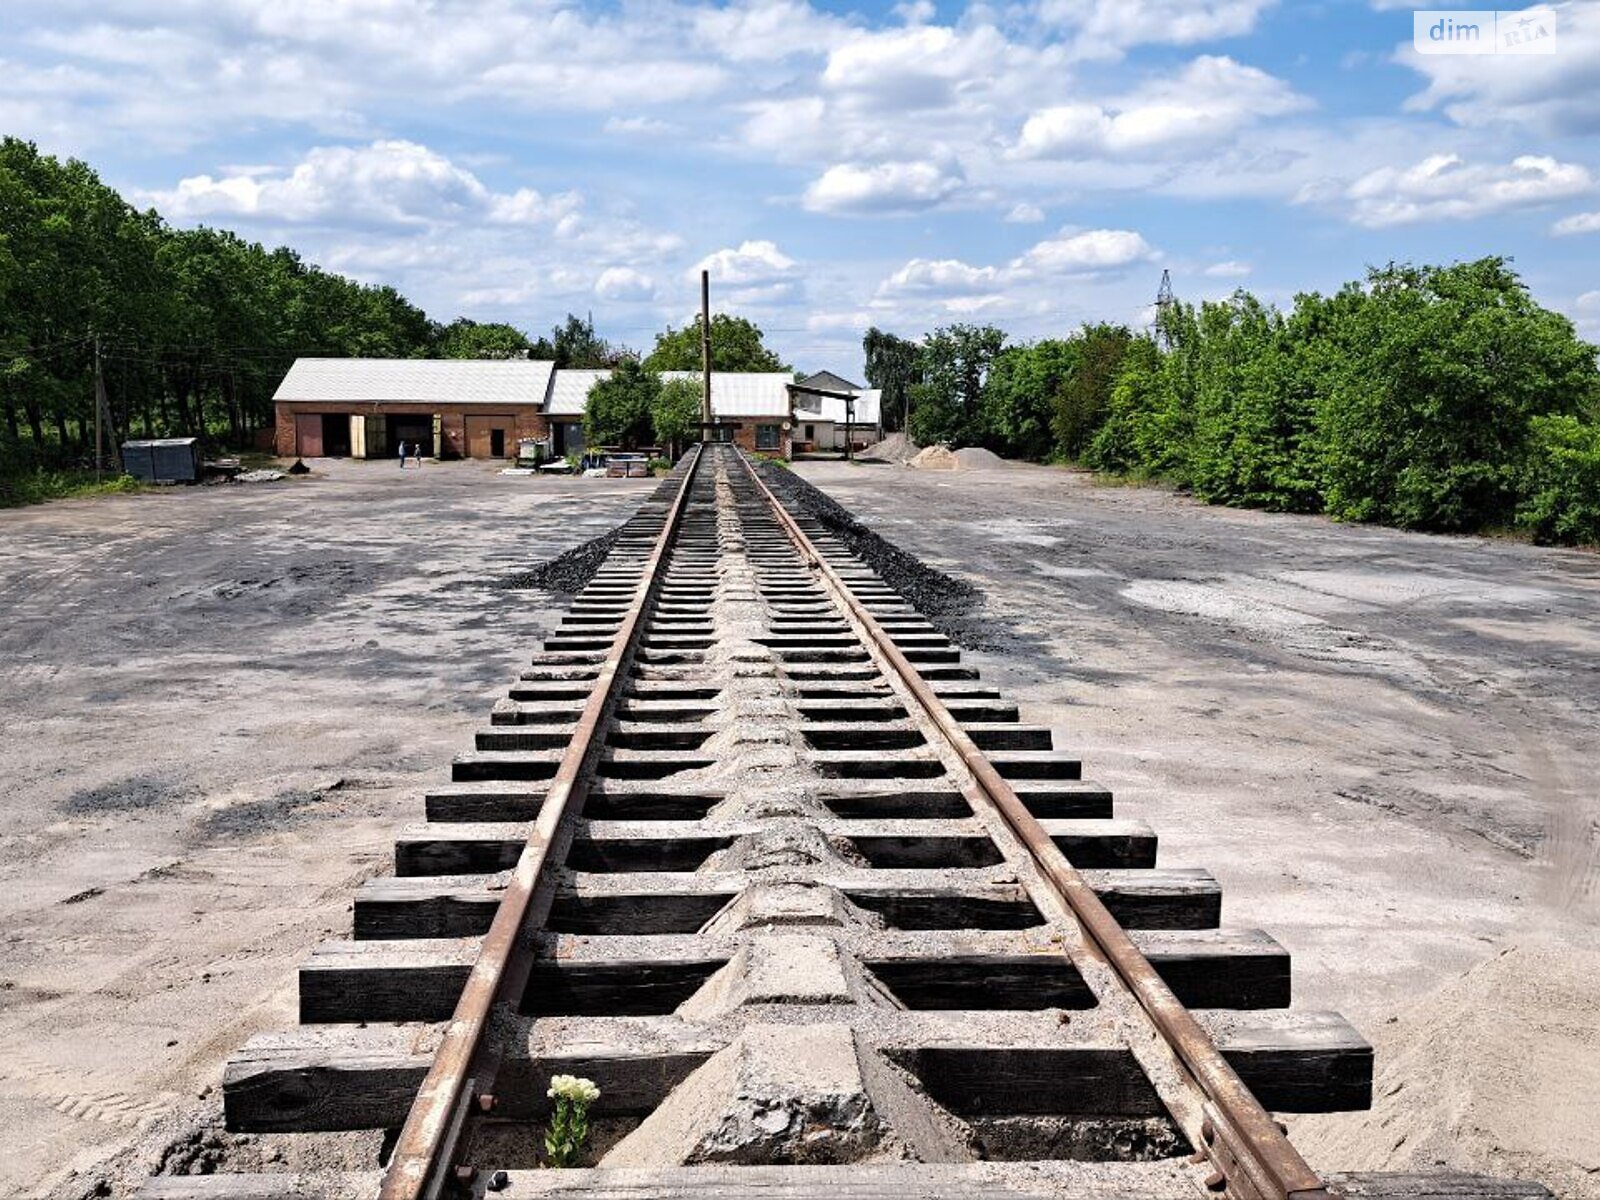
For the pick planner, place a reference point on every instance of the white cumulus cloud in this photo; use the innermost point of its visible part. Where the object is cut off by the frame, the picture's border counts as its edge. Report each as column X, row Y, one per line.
column 1208, row 102
column 1090, row 251
column 624, row 284
column 1446, row 187
column 390, row 182
column 1107, row 28
column 959, row 288
column 753, row 272
column 942, row 277
column 888, row 187
column 1585, row 222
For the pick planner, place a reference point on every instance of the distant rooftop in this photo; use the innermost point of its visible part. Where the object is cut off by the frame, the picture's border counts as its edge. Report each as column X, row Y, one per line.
column 733, row 393
column 486, row 381
column 418, row 380
column 831, row 382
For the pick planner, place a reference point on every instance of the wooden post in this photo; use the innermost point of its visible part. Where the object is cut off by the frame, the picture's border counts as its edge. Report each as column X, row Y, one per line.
column 99, row 406
column 705, row 350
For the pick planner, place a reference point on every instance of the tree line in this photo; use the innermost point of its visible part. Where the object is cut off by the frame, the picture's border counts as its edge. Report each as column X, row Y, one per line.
column 193, row 329
column 1428, row 397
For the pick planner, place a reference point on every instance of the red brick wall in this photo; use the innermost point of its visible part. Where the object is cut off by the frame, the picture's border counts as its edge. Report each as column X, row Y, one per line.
column 745, row 435
column 530, row 421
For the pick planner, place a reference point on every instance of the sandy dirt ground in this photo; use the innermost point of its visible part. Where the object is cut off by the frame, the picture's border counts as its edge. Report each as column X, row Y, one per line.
column 218, row 705
column 1382, row 743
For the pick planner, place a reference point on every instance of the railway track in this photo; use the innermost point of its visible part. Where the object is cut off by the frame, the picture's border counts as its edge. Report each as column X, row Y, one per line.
column 752, row 849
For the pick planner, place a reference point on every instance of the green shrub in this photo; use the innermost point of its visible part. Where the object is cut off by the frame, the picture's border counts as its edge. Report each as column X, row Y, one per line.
column 40, row 485
column 1560, row 482
column 1427, row 405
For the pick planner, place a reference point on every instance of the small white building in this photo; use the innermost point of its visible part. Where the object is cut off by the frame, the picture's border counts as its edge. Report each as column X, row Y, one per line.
column 835, row 415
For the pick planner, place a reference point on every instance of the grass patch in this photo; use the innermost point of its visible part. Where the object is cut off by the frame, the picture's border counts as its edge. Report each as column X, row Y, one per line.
column 37, row 487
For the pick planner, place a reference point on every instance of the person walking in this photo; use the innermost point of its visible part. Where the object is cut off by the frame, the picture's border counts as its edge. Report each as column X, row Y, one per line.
column 403, row 449
column 418, row 450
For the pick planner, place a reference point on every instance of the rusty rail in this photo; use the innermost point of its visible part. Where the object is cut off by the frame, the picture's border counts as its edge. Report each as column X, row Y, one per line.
column 1251, row 1153
column 463, row 1068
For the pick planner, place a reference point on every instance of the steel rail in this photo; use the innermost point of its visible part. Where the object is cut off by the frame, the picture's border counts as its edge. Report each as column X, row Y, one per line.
column 1251, row 1153
column 463, row 1067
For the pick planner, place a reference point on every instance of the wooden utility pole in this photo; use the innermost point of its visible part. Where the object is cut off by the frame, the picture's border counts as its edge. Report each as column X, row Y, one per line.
column 705, row 352
column 99, row 407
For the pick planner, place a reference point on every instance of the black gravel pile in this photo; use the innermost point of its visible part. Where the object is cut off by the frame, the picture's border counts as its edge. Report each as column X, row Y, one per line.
column 944, row 600
column 569, row 572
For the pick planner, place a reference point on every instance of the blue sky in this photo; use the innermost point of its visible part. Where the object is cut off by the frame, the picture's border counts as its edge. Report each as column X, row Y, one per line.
column 1032, row 164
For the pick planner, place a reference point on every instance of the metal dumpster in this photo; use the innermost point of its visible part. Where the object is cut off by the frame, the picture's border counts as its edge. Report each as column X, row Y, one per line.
column 163, row 460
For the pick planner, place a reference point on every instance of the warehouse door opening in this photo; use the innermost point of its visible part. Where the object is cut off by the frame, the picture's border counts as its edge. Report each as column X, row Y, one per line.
column 497, row 443
column 567, row 438
column 413, row 430
column 336, row 435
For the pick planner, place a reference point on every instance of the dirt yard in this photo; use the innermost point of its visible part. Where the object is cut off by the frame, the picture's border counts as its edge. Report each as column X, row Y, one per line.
column 220, row 704
column 1382, row 743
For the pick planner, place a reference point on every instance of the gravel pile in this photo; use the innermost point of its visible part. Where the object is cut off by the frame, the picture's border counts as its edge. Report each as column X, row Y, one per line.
column 977, row 458
column 896, row 448
column 569, row 572
column 937, row 596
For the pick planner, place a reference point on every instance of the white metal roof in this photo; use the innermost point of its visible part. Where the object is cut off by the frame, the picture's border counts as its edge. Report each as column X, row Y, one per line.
column 418, row 380
column 569, row 390
column 733, row 393
column 831, row 408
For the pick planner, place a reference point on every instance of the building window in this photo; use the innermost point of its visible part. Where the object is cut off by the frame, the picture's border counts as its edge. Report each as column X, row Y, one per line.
column 811, row 433
column 766, row 437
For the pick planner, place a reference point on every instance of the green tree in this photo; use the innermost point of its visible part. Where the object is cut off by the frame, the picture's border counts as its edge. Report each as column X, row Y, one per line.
column 892, row 369
column 620, row 407
column 1425, row 418
column 675, row 415
column 464, row 338
column 736, row 345
column 1247, row 430
column 953, row 365
column 1120, row 444
column 1083, row 396
column 574, row 343
column 1021, row 393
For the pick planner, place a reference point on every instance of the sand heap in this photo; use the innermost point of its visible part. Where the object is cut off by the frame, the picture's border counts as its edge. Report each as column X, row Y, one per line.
column 936, row 458
column 1507, row 1055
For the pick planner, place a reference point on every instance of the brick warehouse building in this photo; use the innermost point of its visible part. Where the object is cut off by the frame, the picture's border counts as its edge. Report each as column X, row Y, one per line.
column 365, row 407
column 481, row 408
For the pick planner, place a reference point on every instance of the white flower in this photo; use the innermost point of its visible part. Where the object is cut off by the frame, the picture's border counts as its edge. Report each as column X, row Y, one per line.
column 570, row 1087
